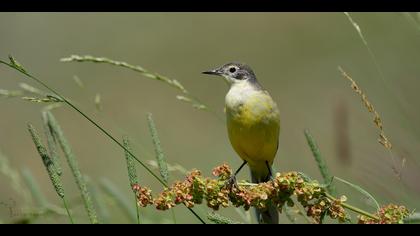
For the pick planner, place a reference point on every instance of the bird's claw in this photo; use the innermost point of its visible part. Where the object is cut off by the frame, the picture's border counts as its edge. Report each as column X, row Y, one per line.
column 231, row 182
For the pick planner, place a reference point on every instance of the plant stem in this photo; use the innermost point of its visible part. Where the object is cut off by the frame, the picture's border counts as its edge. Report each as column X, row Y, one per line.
column 173, row 215
column 353, row 208
column 137, row 211
column 68, row 211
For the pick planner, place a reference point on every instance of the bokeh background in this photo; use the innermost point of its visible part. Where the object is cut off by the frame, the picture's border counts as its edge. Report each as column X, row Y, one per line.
column 295, row 57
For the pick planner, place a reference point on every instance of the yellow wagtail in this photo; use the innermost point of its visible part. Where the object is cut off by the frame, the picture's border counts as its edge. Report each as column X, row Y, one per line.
column 253, row 125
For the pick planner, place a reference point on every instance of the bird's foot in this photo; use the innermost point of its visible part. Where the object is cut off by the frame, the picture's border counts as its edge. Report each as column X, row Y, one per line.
column 231, row 182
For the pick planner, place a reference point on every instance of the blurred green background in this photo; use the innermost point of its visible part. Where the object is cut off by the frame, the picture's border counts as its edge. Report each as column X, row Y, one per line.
column 295, row 57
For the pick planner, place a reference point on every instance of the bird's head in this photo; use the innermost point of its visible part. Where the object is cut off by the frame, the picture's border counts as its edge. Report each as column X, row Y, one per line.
column 234, row 72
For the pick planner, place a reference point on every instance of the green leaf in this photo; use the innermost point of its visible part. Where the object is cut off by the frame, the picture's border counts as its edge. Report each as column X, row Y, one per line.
column 360, row 190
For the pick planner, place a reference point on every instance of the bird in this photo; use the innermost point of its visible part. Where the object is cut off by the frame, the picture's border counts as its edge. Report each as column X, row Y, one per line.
column 253, row 126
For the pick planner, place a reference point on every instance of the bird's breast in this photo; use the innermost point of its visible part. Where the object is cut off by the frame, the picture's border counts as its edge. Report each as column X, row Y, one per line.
column 248, row 106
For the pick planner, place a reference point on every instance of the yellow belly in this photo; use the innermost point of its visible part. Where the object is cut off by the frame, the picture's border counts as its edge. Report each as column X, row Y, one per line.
column 253, row 129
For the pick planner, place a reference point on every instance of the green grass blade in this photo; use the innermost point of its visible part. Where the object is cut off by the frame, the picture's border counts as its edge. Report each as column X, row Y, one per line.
column 322, row 166
column 34, row 189
column 360, row 190
column 112, row 190
column 74, row 166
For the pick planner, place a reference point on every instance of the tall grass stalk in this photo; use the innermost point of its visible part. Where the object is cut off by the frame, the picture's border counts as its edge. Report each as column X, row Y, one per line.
column 54, row 177
column 51, row 142
column 47, row 99
column 132, row 174
column 371, row 54
column 322, row 166
column 186, row 97
column 377, row 120
column 74, row 166
column 401, row 105
column 174, row 83
column 160, row 156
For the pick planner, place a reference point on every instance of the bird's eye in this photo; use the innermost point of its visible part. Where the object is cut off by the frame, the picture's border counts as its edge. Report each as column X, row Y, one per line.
column 232, row 70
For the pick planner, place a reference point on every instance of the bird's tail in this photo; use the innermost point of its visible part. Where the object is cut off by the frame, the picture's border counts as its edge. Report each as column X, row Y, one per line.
column 270, row 215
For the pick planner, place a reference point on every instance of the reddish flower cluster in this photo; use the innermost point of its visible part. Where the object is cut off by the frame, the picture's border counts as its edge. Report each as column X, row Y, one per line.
column 390, row 214
column 222, row 171
column 325, row 206
column 278, row 192
column 143, row 194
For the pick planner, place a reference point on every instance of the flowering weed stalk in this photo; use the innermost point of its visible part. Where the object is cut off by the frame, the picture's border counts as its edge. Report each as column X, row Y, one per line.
column 280, row 191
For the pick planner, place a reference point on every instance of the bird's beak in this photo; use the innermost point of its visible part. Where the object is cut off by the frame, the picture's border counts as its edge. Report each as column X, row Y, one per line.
column 212, row 72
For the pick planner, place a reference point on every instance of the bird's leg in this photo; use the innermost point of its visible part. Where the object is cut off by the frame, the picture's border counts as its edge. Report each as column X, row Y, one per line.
column 269, row 169
column 231, row 182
